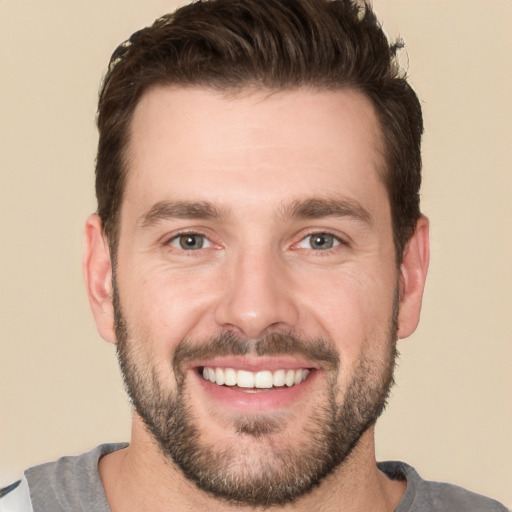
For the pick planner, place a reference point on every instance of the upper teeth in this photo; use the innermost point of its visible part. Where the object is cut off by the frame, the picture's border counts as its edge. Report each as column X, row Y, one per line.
column 246, row 379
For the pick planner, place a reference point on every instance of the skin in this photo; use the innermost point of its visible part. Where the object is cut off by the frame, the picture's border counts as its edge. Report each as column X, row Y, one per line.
column 251, row 155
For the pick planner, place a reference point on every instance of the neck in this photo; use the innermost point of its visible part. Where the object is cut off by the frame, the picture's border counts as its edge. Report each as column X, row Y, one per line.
column 141, row 478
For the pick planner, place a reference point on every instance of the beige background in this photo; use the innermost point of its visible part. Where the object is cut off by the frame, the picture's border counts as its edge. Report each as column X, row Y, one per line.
column 60, row 392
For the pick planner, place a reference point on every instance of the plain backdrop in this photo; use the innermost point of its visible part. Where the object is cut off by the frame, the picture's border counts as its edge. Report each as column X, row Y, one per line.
column 60, row 393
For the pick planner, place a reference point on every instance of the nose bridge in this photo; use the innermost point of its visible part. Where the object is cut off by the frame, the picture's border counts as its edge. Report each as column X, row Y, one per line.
column 256, row 296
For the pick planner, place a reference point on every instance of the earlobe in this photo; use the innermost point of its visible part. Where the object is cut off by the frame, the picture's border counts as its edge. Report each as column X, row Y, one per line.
column 97, row 270
column 413, row 273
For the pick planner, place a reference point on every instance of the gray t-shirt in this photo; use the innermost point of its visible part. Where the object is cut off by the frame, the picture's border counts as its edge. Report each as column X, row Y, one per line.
column 72, row 484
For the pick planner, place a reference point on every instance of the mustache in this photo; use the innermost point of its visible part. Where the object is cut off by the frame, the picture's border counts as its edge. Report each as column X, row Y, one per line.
column 231, row 344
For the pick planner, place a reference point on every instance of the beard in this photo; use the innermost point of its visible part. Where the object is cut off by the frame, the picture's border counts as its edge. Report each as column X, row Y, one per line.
column 275, row 473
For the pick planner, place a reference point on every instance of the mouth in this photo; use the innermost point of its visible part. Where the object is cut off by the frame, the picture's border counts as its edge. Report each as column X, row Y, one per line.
column 254, row 384
column 262, row 380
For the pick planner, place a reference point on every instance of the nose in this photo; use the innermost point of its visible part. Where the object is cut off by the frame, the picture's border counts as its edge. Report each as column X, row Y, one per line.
column 257, row 296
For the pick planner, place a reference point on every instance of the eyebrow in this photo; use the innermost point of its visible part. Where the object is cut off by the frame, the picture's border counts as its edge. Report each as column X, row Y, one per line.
column 180, row 210
column 316, row 208
column 312, row 208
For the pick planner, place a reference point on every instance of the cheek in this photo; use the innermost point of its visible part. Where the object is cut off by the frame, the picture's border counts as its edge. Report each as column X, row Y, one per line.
column 352, row 308
column 162, row 304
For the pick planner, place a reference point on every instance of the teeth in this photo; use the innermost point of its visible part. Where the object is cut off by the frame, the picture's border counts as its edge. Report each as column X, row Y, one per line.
column 219, row 376
column 262, row 380
column 230, row 377
column 278, row 378
column 289, row 378
column 244, row 379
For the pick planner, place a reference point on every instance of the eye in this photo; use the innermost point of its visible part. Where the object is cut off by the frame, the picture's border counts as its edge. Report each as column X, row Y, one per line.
column 319, row 242
column 190, row 242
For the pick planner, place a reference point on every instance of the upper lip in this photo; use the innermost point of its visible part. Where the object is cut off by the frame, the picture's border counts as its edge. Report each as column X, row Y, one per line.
column 256, row 363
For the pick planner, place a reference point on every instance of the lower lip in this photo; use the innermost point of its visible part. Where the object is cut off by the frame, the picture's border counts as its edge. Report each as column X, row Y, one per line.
column 255, row 400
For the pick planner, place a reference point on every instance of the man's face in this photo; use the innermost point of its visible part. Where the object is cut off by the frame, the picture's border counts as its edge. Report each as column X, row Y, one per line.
column 256, row 251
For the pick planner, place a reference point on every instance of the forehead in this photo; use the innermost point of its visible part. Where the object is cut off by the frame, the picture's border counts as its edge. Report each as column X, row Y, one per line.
column 199, row 144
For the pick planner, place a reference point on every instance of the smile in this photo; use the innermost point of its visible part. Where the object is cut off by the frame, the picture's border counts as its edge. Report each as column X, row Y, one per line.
column 265, row 379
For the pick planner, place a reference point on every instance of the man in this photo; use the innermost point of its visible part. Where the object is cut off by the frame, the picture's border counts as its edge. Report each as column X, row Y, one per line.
column 258, row 250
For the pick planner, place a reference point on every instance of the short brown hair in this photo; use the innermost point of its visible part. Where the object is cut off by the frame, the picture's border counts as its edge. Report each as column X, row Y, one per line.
column 271, row 44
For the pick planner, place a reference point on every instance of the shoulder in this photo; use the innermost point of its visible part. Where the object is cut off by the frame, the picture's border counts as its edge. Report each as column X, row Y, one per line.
column 16, row 497
column 425, row 495
column 63, row 485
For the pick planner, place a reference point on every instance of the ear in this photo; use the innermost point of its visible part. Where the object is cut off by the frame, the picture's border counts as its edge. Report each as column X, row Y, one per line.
column 413, row 272
column 97, row 269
